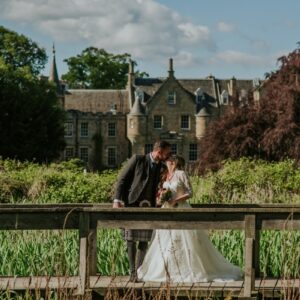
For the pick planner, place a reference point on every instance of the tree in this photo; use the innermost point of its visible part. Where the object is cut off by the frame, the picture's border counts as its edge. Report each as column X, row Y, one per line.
column 19, row 51
column 31, row 120
column 97, row 69
column 269, row 131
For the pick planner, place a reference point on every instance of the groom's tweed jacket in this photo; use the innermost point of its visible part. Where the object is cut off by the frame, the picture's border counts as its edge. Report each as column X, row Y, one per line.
column 133, row 187
column 132, row 183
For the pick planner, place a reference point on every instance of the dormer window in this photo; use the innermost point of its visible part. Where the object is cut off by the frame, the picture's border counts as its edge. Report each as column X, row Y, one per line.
column 139, row 94
column 171, row 98
column 224, row 98
column 199, row 96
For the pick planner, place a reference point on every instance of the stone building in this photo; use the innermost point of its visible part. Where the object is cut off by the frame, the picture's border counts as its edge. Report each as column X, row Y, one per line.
column 105, row 127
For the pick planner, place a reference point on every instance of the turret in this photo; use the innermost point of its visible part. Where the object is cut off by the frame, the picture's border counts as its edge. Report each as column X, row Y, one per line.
column 202, row 121
column 136, row 127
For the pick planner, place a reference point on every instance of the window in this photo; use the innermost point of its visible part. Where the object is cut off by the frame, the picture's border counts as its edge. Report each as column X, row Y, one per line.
column 69, row 129
column 148, row 148
column 131, row 123
column 69, row 153
column 171, row 98
column 224, row 97
column 84, row 129
column 157, row 122
column 111, row 156
column 84, row 154
column 185, row 122
column 199, row 96
column 193, row 152
column 111, row 129
column 174, row 149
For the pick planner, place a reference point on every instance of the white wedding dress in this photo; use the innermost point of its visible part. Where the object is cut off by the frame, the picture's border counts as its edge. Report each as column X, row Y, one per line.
column 184, row 255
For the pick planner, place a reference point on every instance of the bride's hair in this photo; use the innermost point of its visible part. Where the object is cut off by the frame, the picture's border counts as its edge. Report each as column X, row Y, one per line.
column 179, row 161
column 179, row 165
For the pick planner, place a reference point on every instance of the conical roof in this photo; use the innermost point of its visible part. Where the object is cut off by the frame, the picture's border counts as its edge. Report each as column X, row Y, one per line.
column 203, row 112
column 137, row 108
column 53, row 76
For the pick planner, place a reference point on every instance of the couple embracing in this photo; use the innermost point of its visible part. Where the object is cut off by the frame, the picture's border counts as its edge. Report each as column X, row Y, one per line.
column 173, row 255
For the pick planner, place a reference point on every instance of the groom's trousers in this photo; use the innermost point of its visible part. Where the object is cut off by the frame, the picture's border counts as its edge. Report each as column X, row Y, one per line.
column 136, row 255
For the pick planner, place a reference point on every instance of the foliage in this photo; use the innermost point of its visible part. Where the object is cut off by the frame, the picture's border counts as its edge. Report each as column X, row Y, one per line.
column 45, row 252
column 65, row 182
column 97, row 69
column 20, row 52
column 269, row 130
column 31, row 119
column 249, row 181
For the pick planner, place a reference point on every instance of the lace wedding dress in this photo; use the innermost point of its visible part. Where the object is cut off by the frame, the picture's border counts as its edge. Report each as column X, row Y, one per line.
column 184, row 255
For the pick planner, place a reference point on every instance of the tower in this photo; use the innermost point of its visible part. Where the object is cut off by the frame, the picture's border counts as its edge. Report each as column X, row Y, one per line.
column 136, row 127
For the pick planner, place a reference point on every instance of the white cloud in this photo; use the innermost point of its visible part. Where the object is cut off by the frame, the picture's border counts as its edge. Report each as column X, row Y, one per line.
column 144, row 28
column 231, row 57
column 225, row 27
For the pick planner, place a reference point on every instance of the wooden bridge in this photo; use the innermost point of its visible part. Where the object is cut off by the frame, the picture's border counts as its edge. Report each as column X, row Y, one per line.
column 87, row 218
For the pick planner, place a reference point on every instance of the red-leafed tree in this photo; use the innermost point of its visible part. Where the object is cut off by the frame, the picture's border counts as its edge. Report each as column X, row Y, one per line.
column 269, row 130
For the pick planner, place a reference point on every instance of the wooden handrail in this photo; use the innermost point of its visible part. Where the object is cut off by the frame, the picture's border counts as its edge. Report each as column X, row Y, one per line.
column 88, row 217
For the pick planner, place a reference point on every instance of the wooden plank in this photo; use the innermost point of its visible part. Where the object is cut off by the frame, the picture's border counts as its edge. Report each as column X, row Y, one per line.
column 250, row 233
column 280, row 224
column 256, row 263
column 38, row 282
column 188, row 225
column 92, row 252
column 84, row 227
column 4, row 283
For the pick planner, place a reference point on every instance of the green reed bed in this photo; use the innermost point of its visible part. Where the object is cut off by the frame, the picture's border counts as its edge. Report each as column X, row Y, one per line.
column 56, row 253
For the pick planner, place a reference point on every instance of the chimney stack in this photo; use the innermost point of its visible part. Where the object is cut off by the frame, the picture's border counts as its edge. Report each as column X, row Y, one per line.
column 171, row 71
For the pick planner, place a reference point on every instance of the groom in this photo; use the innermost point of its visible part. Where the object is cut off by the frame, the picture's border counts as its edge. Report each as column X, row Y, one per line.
column 137, row 187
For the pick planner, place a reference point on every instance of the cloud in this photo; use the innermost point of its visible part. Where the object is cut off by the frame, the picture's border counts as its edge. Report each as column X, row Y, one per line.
column 225, row 27
column 231, row 57
column 144, row 28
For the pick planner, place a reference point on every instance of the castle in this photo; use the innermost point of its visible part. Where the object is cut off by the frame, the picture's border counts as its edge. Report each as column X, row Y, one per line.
column 105, row 127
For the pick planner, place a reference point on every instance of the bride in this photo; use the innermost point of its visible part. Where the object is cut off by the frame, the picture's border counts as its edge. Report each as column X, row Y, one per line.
column 183, row 255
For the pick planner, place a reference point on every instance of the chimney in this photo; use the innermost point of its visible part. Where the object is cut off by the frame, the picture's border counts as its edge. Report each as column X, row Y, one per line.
column 130, row 83
column 232, row 87
column 171, row 71
column 130, row 73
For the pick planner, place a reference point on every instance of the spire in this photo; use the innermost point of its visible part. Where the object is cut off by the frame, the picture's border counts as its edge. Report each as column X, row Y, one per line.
column 53, row 77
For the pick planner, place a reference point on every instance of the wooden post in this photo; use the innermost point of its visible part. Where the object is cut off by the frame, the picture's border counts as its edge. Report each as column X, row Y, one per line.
column 257, row 253
column 92, row 252
column 84, row 228
column 250, row 234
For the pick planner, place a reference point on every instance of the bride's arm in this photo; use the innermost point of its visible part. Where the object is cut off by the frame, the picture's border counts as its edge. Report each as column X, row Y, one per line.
column 188, row 192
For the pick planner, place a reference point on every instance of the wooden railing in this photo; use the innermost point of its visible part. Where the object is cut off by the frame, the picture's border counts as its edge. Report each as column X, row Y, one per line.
column 87, row 218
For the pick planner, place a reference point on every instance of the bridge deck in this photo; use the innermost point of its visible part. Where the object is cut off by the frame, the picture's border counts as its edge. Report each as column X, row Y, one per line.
column 266, row 287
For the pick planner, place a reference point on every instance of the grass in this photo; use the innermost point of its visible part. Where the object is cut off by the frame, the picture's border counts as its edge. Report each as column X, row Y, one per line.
column 26, row 253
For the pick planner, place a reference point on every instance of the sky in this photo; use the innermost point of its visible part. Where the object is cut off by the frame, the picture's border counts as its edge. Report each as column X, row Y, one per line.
column 223, row 38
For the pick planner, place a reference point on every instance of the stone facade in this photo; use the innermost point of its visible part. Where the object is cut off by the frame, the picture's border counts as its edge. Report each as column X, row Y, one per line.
column 108, row 126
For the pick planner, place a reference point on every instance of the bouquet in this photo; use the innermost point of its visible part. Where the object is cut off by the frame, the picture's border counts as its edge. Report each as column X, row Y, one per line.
column 164, row 195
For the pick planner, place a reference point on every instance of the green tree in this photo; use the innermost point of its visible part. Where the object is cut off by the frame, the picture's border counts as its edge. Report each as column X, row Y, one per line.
column 21, row 52
column 97, row 69
column 269, row 130
column 31, row 120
